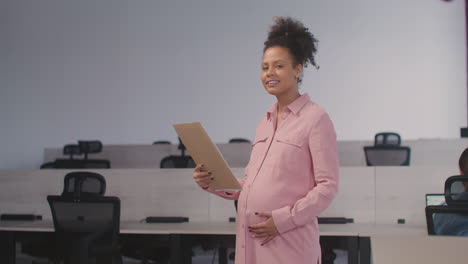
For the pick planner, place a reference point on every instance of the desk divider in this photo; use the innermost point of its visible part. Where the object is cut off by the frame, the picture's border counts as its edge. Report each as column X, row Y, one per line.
column 379, row 195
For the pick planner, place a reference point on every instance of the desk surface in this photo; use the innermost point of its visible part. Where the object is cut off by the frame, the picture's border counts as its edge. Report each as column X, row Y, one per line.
column 224, row 228
column 417, row 249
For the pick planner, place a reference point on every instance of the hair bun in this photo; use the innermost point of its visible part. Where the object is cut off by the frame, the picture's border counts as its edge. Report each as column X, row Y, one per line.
column 293, row 35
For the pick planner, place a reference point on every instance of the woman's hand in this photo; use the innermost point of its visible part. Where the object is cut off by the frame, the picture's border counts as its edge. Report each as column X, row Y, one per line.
column 266, row 229
column 202, row 178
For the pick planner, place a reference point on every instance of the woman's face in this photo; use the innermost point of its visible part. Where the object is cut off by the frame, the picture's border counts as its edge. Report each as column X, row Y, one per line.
column 279, row 75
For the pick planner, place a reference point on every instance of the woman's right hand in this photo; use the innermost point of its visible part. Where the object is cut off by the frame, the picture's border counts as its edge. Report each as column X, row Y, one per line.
column 202, row 178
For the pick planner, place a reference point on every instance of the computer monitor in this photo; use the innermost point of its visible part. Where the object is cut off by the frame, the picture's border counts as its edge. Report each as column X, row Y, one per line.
column 435, row 198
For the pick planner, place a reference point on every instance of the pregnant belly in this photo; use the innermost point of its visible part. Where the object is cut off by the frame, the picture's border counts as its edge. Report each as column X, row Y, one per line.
column 260, row 198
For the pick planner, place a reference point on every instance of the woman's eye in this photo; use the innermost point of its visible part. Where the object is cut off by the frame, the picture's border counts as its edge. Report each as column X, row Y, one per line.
column 279, row 66
column 264, row 68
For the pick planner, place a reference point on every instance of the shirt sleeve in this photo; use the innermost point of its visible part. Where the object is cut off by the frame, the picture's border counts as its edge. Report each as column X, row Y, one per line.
column 229, row 195
column 323, row 151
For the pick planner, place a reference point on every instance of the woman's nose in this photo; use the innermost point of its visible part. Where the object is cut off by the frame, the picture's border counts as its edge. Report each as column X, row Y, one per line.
column 270, row 72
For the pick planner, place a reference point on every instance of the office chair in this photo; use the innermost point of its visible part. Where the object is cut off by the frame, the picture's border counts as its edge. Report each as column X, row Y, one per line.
column 181, row 161
column 76, row 184
column 387, row 138
column 93, row 146
column 387, row 155
column 450, row 219
column 68, row 150
column 239, row 140
column 71, row 149
column 83, row 147
column 86, row 229
column 387, row 151
column 89, row 146
column 83, row 183
column 177, row 162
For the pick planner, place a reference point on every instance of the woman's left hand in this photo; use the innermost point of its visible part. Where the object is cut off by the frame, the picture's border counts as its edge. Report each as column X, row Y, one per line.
column 265, row 229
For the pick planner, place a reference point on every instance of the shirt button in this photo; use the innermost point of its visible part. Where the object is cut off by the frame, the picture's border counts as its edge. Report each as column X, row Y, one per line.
column 243, row 246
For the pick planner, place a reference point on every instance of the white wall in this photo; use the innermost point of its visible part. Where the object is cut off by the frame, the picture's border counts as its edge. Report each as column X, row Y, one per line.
column 124, row 71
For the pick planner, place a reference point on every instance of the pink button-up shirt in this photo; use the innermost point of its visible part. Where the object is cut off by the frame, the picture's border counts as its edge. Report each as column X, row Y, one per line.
column 293, row 172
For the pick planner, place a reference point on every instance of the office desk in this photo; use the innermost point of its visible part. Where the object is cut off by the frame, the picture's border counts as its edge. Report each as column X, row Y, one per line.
column 425, row 152
column 180, row 234
column 368, row 195
column 419, row 249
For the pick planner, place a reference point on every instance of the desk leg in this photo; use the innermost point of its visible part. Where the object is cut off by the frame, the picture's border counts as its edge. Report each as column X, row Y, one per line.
column 7, row 248
column 222, row 258
column 353, row 250
column 181, row 249
column 364, row 250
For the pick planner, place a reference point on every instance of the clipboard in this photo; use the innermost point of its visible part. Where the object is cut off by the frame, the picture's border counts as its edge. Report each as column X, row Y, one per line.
column 204, row 151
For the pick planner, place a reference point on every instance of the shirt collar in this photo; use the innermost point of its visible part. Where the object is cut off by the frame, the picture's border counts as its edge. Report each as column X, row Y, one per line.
column 295, row 107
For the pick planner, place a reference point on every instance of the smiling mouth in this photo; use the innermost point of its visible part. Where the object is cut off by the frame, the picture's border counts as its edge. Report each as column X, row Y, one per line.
column 272, row 83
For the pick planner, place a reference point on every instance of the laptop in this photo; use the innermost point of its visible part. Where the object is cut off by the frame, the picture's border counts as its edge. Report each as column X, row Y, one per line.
column 435, row 198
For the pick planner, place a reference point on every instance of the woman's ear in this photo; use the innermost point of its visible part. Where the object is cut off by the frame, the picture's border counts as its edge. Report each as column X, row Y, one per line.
column 298, row 70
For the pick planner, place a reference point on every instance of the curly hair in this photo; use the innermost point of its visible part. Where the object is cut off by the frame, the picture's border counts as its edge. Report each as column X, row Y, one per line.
column 293, row 35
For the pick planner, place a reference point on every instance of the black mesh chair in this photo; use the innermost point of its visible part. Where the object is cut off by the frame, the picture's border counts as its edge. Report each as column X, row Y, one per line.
column 84, row 184
column 458, row 215
column 89, row 146
column 93, row 146
column 177, row 162
column 387, row 151
column 86, row 229
column 85, row 148
column 181, row 161
column 387, row 138
column 76, row 184
column 68, row 150
column 450, row 219
column 387, row 155
column 71, row 150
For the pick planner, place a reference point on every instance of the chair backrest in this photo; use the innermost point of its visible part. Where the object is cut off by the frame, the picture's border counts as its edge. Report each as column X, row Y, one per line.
column 177, row 162
column 86, row 215
column 89, row 146
column 456, row 190
column 387, row 155
column 447, row 220
column 81, row 223
column 239, row 140
column 83, row 184
column 71, row 149
column 387, row 138
column 83, row 147
column 450, row 219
